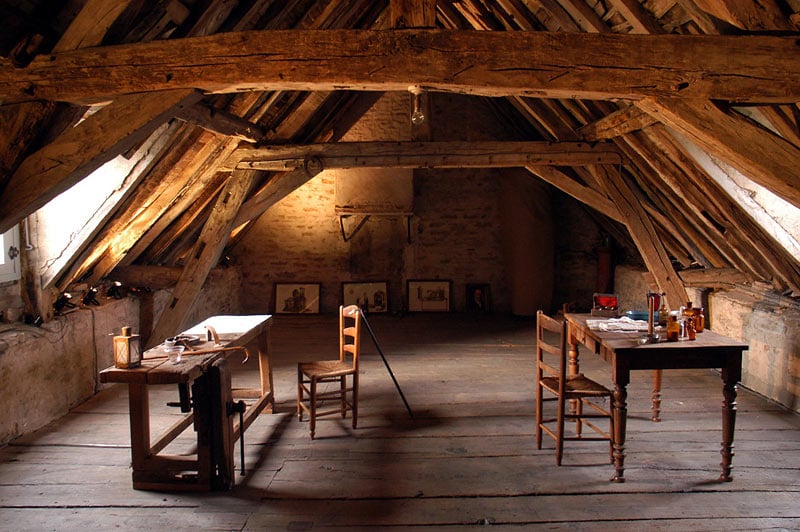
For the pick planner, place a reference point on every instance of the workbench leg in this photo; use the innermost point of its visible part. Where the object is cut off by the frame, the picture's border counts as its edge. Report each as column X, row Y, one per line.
column 139, row 411
column 203, row 411
column 222, row 468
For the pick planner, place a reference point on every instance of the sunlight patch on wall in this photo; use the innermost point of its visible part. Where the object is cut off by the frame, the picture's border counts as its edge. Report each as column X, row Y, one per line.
column 775, row 215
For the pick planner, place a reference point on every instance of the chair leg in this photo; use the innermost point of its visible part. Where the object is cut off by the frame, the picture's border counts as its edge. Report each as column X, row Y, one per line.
column 299, row 393
column 560, row 433
column 343, row 398
column 355, row 399
column 538, row 416
column 578, row 420
column 313, row 400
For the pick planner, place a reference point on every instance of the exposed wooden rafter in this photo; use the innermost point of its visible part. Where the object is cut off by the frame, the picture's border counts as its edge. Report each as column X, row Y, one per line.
column 763, row 156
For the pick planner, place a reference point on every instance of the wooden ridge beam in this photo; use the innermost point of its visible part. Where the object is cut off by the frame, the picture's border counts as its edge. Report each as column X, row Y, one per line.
column 413, row 154
column 489, row 63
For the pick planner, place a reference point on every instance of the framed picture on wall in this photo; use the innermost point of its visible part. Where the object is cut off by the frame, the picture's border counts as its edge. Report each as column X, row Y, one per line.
column 429, row 296
column 371, row 296
column 297, row 298
column 478, row 298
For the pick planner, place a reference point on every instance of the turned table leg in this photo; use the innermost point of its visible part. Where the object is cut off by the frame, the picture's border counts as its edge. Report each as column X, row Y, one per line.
column 657, row 395
column 730, row 376
column 620, row 414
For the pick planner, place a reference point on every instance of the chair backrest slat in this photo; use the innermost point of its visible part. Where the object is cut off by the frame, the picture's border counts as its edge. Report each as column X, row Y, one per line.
column 349, row 333
column 556, row 366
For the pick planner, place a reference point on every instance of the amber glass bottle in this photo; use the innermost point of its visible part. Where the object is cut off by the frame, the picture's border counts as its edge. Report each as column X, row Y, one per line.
column 673, row 328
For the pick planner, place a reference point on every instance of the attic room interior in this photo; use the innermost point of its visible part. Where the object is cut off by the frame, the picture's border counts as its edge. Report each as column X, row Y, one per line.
column 166, row 162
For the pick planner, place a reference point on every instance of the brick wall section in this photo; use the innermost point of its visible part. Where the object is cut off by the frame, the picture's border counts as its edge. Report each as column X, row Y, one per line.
column 457, row 234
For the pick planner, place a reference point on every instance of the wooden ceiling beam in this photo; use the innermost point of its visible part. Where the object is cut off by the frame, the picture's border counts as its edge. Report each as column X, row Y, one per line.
column 641, row 20
column 207, row 252
column 221, row 122
column 625, row 120
column 412, row 13
column 643, row 233
column 582, row 193
column 154, row 277
column 441, row 154
column 723, row 278
column 584, row 16
column 501, row 63
column 753, row 16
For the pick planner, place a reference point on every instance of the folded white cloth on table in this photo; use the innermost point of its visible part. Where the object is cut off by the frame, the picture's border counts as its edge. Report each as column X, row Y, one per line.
column 617, row 324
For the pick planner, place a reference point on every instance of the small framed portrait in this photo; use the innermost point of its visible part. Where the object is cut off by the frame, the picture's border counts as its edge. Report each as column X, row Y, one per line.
column 371, row 296
column 478, row 298
column 297, row 298
column 429, row 296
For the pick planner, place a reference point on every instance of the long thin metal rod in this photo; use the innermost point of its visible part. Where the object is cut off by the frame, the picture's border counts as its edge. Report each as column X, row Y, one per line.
column 386, row 363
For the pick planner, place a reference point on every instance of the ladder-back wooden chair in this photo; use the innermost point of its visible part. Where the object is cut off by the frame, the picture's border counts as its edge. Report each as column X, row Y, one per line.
column 572, row 392
column 310, row 375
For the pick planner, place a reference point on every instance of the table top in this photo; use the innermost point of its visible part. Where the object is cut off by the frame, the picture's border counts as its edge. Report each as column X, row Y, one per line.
column 156, row 369
column 708, row 350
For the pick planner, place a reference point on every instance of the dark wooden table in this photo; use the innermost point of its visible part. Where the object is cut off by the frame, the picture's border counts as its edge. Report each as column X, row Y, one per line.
column 207, row 401
column 624, row 352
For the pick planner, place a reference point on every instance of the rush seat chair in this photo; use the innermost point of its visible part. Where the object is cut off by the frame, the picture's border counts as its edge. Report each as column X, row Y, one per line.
column 312, row 376
column 572, row 392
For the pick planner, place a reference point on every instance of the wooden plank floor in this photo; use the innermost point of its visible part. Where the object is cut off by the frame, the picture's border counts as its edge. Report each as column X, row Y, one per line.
column 466, row 459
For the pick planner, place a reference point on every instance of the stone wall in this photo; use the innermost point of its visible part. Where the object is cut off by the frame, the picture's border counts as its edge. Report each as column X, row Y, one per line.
column 47, row 370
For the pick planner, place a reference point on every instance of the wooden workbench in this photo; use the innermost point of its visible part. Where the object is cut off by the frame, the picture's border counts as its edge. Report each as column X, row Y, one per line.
column 207, row 401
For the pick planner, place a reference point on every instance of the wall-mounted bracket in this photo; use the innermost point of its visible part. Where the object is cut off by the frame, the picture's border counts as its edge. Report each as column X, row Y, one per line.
column 366, row 215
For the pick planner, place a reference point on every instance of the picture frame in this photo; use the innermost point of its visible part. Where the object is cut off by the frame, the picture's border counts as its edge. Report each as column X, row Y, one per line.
column 429, row 295
column 297, row 298
column 370, row 296
column 478, row 298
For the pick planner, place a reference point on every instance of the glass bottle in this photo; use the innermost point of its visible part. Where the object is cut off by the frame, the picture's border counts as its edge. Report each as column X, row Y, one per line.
column 686, row 314
column 673, row 328
column 690, row 330
column 699, row 319
column 663, row 310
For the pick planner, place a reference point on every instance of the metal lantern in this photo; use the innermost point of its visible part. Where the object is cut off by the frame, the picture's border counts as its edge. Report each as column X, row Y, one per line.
column 127, row 350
